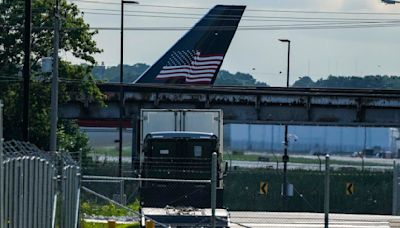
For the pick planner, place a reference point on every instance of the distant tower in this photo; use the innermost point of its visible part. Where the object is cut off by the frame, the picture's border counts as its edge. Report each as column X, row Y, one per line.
column 102, row 70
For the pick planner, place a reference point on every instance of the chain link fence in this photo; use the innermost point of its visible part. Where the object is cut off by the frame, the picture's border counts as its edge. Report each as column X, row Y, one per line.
column 170, row 193
column 363, row 192
column 252, row 190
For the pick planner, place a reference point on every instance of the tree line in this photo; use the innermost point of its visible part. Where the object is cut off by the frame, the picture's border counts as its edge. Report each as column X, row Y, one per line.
column 131, row 73
column 368, row 81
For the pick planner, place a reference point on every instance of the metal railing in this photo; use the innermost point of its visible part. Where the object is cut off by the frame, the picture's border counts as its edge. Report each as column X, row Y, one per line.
column 70, row 192
column 32, row 182
column 29, row 192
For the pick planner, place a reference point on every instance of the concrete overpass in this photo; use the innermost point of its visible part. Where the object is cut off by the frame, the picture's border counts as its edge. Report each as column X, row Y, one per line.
column 266, row 105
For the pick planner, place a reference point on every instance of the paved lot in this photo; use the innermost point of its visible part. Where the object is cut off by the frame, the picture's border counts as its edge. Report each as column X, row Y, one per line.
column 291, row 165
column 311, row 220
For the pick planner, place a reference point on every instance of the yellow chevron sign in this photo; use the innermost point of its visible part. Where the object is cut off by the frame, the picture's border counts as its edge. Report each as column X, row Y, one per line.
column 264, row 188
column 349, row 189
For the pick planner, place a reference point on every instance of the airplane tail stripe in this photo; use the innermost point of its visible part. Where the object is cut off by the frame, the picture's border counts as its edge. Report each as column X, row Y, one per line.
column 210, row 55
column 178, row 77
column 199, row 80
column 195, row 63
column 184, row 75
column 191, row 67
column 200, row 58
column 201, row 76
column 187, row 71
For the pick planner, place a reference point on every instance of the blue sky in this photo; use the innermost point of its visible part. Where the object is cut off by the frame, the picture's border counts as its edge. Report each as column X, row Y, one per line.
column 315, row 52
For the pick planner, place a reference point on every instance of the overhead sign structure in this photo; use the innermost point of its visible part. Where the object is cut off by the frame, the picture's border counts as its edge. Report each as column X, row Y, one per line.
column 264, row 188
column 349, row 189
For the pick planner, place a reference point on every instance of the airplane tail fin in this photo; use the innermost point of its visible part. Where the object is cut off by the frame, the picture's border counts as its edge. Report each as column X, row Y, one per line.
column 197, row 57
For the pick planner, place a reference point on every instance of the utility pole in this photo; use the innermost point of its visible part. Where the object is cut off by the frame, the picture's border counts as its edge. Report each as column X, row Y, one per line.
column 121, row 92
column 2, row 209
column 26, row 69
column 54, row 81
column 285, row 157
column 121, row 88
column 213, row 188
column 327, row 192
column 395, row 198
column 363, row 151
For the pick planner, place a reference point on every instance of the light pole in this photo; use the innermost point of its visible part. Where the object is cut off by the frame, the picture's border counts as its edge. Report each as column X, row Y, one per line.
column 54, row 81
column 363, row 151
column 288, row 60
column 121, row 81
column 285, row 157
column 26, row 71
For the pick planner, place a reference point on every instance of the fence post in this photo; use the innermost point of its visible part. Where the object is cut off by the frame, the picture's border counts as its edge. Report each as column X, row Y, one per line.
column 111, row 224
column 150, row 224
column 395, row 189
column 80, row 157
column 2, row 208
column 213, row 188
column 1, row 120
column 326, row 201
column 122, row 192
column 134, row 143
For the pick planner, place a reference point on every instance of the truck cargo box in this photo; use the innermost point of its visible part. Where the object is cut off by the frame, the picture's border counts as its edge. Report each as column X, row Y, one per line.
column 195, row 120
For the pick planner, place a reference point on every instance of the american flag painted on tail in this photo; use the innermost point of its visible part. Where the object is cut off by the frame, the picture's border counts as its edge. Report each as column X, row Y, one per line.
column 198, row 55
column 191, row 65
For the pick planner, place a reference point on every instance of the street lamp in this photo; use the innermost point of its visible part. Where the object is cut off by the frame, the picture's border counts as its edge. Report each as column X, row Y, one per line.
column 288, row 60
column 26, row 70
column 285, row 157
column 121, row 81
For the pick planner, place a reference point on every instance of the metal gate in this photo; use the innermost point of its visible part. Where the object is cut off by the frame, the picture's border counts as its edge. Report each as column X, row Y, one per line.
column 31, row 184
column 29, row 191
column 70, row 192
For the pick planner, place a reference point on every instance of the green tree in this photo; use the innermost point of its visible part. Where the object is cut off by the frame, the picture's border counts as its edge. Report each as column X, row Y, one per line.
column 226, row 78
column 368, row 81
column 305, row 81
column 75, row 80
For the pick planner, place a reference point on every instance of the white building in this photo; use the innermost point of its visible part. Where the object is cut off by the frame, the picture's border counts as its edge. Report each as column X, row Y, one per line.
column 309, row 138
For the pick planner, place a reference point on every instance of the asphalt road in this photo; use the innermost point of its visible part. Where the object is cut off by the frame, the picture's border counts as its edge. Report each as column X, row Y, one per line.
column 259, row 164
column 310, row 220
column 381, row 164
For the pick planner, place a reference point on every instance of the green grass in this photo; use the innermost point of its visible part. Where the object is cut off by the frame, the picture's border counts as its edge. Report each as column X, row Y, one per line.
column 85, row 224
column 111, row 151
column 108, row 209
column 243, row 157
